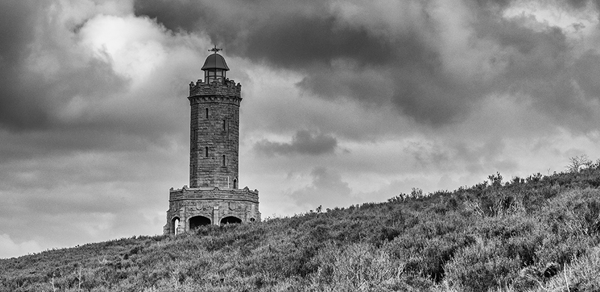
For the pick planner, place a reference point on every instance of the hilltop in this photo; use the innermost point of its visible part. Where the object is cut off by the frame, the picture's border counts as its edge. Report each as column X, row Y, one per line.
column 534, row 233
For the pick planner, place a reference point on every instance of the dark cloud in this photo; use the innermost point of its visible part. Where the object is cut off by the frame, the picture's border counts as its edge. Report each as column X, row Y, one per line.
column 39, row 69
column 16, row 29
column 578, row 3
column 338, row 55
column 17, row 26
column 175, row 15
column 498, row 3
column 56, row 92
column 303, row 143
column 284, row 35
column 587, row 73
column 280, row 33
column 82, row 134
column 583, row 3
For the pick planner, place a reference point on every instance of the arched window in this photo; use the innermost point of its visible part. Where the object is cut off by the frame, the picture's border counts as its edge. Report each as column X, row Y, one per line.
column 235, row 183
column 231, row 220
column 198, row 221
column 174, row 225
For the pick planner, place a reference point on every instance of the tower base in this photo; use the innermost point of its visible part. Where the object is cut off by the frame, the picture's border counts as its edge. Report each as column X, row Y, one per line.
column 190, row 208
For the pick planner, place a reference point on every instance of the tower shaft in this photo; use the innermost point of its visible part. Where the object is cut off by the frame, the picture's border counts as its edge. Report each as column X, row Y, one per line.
column 214, row 135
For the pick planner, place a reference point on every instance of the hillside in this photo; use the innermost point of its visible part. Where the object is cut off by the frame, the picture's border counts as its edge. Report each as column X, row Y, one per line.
column 538, row 233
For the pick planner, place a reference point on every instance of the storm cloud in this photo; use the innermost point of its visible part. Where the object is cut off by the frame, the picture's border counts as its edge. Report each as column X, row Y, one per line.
column 433, row 61
column 38, row 53
column 76, row 119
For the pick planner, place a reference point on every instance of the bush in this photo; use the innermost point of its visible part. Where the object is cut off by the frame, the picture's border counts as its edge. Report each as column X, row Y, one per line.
column 580, row 275
column 356, row 267
column 481, row 267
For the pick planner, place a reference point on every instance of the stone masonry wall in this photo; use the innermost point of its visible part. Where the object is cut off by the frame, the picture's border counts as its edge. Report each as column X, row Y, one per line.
column 214, row 204
column 214, row 134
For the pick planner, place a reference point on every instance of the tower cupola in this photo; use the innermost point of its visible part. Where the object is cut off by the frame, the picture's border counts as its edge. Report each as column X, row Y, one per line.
column 215, row 68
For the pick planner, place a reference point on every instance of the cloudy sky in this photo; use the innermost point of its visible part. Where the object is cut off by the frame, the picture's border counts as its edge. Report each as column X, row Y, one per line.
column 345, row 102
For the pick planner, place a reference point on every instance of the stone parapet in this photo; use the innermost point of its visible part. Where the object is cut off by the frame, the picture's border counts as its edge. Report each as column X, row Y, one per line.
column 226, row 88
column 215, row 193
column 223, row 99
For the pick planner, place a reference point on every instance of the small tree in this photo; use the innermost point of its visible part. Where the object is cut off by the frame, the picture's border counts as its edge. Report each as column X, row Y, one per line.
column 578, row 163
column 495, row 180
column 416, row 193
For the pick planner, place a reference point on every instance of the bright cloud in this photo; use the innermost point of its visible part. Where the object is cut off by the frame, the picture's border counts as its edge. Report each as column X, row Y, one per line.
column 9, row 248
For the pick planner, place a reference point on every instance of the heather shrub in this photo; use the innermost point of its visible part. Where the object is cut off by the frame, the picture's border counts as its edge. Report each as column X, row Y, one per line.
column 574, row 212
column 572, row 220
column 355, row 267
column 481, row 266
column 580, row 275
column 561, row 250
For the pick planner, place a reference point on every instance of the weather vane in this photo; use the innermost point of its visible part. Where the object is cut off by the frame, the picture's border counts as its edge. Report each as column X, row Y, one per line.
column 215, row 49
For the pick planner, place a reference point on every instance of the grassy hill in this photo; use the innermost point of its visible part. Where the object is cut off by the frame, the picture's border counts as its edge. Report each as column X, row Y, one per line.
column 539, row 233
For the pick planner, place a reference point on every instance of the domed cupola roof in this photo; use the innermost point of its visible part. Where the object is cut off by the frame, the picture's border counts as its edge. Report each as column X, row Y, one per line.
column 215, row 61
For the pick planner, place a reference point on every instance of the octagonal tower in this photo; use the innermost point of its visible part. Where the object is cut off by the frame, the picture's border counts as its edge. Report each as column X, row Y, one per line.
column 213, row 196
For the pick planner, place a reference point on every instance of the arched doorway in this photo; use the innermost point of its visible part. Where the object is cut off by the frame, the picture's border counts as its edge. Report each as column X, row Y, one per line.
column 198, row 221
column 174, row 225
column 231, row 220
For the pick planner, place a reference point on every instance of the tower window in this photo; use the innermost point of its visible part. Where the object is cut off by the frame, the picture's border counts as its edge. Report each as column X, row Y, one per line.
column 212, row 75
column 206, row 114
column 206, row 151
column 175, row 225
column 223, row 160
column 194, row 139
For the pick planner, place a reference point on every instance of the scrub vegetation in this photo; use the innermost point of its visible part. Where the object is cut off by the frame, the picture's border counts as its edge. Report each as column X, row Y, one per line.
column 538, row 233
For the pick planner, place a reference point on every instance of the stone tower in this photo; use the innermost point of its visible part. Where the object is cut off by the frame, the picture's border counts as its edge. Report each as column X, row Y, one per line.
column 213, row 196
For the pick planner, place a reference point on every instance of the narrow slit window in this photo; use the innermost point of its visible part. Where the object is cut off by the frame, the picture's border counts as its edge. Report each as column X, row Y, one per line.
column 224, row 125
column 206, row 151
column 206, row 113
column 223, row 160
column 194, row 139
